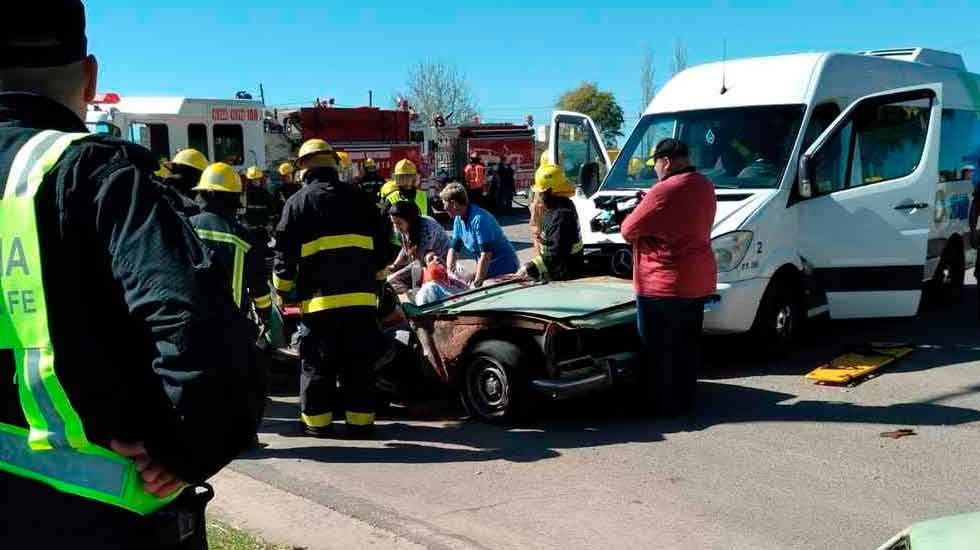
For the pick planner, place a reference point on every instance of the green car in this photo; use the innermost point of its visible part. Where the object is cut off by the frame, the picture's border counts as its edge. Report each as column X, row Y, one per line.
column 960, row 532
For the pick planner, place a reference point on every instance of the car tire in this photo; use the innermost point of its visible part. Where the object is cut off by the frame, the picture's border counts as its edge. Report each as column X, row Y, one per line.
column 495, row 386
column 777, row 323
column 946, row 284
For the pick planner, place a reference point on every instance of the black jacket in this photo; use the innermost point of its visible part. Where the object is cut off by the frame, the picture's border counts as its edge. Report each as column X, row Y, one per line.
column 184, row 205
column 255, row 280
column 323, row 209
column 370, row 183
column 261, row 207
column 148, row 345
column 560, row 241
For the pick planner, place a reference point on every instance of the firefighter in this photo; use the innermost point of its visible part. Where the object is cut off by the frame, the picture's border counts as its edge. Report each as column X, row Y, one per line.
column 345, row 167
column 329, row 251
column 559, row 240
column 371, row 181
column 475, row 175
column 185, row 171
column 407, row 187
column 234, row 248
column 131, row 367
column 261, row 207
column 287, row 186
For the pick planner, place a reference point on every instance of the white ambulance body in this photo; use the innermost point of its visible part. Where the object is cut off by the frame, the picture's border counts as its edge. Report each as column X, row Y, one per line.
column 225, row 130
column 843, row 180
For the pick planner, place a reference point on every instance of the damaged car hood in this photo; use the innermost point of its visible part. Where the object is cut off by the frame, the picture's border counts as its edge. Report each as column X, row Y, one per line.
column 563, row 300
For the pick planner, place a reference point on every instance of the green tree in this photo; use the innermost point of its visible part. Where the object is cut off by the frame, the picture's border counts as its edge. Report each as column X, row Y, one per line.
column 600, row 105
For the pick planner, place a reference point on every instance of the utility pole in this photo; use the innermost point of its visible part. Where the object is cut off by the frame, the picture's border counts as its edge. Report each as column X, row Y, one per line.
column 370, row 98
column 262, row 93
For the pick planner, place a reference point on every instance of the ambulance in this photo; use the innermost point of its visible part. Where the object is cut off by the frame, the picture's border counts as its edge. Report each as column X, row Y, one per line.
column 843, row 181
column 224, row 130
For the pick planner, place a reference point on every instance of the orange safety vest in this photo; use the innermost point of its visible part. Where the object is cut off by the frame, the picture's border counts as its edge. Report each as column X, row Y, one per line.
column 476, row 176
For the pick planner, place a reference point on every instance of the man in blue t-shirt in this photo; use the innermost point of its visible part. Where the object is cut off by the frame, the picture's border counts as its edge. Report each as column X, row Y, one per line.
column 478, row 232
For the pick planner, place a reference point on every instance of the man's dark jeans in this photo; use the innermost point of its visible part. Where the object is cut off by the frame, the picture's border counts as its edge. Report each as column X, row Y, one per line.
column 670, row 332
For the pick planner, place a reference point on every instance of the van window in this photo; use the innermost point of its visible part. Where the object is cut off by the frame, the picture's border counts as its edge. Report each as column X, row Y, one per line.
column 823, row 115
column 576, row 146
column 197, row 138
column 959, row 147
column 737, row 148
column 229, row 144
column 881, row 141
column 154, row 136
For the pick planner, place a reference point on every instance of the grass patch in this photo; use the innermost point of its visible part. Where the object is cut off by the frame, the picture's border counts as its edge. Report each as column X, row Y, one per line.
column 224, row 537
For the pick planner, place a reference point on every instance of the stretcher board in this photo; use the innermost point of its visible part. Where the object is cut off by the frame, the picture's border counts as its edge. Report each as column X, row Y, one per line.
column 857, row 364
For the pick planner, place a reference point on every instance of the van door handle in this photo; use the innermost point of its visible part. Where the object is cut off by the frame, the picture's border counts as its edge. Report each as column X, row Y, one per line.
column 912, row 206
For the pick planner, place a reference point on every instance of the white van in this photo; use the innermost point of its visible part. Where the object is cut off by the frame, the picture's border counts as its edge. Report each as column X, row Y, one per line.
column 843, row 180
column 225, row 130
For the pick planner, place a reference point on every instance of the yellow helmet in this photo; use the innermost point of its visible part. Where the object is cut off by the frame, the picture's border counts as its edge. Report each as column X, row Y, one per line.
column 192, row 158
column 405, row 167
column 220, row 177
column 544, row 158
column 314, row 147
column 369, row 164
column 254, row 173
column 285, row 169
column 344, row 159
column 636, row 165
column 551, row 178
column 163, row 172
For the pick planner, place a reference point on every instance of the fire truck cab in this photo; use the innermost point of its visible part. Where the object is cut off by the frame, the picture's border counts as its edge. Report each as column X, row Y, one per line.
column 224, row 130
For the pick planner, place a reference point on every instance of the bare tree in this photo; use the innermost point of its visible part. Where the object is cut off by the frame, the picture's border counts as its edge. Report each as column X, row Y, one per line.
column 436, row 87
column 647, row 71
column 679, row 62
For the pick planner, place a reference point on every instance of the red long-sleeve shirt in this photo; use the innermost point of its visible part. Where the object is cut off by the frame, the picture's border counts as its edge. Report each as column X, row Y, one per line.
column 671, row 235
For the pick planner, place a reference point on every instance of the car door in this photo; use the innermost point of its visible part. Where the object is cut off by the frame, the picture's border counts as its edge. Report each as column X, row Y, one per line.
column 866, row 188
column 574, row 141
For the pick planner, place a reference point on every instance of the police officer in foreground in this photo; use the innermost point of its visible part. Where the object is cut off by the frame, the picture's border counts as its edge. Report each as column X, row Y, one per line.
column 132, row 367
column 329, row 250
column 234, row 248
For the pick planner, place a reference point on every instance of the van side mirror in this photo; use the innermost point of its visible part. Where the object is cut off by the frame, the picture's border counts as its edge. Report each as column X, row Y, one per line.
column 588, row 178
column 805, row 174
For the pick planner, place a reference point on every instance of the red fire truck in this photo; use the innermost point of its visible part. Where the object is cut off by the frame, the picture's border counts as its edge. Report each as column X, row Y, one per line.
column 364, row 132
column 515, row 142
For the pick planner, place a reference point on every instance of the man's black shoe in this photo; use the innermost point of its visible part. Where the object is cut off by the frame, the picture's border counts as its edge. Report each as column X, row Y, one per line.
column 360, row 432
column 322, row 431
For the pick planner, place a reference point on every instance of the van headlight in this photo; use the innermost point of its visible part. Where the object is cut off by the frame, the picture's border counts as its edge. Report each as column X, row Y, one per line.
column 730, row 249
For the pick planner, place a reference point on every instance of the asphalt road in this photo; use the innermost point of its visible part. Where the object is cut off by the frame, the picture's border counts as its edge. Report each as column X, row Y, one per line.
column 771, row 461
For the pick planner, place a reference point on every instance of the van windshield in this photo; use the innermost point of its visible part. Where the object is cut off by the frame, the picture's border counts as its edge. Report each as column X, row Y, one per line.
column 738, row 148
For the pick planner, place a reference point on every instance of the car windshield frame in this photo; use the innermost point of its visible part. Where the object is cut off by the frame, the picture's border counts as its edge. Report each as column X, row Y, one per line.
column 750, row 169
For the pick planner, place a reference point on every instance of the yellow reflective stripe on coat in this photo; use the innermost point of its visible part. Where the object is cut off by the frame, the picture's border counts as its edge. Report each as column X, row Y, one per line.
column 538, row 262
column 578, row 247
column 263, row 302
column 282, row 285
column 317, row 420
column 335, row 242
column 360, row 419
column 337, row 301
column 238, row 269
column 53, row 448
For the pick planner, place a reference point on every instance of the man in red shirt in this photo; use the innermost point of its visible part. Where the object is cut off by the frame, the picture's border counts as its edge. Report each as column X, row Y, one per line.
column 674, row 270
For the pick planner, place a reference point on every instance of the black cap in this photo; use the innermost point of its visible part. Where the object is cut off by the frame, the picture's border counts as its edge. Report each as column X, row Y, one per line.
column 670, row 148
column 43, row 33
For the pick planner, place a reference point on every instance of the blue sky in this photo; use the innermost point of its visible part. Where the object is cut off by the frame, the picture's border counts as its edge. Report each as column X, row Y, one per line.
column 519, row 56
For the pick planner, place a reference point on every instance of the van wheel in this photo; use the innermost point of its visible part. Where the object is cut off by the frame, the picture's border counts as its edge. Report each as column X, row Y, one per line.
column 947, row 282
column 780, row 316
column 495, row 385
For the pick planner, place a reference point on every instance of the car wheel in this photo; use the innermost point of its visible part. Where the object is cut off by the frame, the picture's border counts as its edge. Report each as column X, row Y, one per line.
column 495, row 386
column 780, row 316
